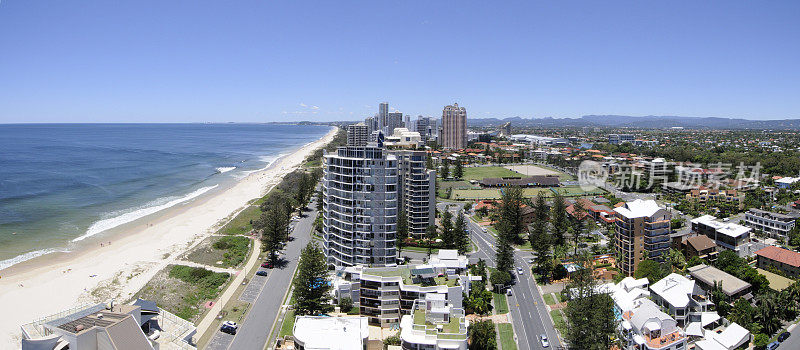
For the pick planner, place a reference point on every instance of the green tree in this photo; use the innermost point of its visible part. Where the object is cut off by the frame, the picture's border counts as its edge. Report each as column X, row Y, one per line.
column 458, row 173
column 558, row 219
column 445, row 169
column 591, row 323
column 511, row 222
column 319, row 201
column 461, row 234
column 402, row 230
column 447, row 232
column 651, row 270
column 743, row 314
column 482, row 336
column 273, row 226
column 430, row 236
column 578, row 227
column 676, row 261
column 311, row 285
column 720, row 299
column 345, row 304
column 539, row 239
column 429, row 162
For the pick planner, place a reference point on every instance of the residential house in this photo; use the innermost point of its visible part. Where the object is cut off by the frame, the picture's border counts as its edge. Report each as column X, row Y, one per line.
column 784, row 260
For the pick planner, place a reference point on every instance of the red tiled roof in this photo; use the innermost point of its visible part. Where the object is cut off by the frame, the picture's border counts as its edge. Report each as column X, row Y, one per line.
column 781, row 255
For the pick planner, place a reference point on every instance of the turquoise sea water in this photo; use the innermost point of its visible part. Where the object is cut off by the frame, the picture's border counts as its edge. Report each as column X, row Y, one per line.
column 62, row 183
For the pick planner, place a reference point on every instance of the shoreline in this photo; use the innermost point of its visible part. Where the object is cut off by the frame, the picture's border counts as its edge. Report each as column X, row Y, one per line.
column 138, row 251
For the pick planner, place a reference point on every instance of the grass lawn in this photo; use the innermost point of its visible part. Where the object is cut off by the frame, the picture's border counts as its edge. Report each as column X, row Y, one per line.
column 486, row 193
column 776, row 282
column 183, row 289
column 479, row 173
column 506, row 332
column 559, row 297
column 241, row 223
column 226, row 251
column 534, row 191
column 287, row 327
column 558, row 321
column 548, row 298
column 500, row 303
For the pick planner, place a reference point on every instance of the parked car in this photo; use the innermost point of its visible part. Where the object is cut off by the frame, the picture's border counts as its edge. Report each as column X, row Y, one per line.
column 508, row 292
column 519, row 270
column 261, row 273
column 773, row 345
column 545, row 342
column 229, row 327
column 784, row 336
column 267, row 265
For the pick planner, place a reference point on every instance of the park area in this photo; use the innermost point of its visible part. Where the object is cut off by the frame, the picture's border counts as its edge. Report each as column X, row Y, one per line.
column 464, row 190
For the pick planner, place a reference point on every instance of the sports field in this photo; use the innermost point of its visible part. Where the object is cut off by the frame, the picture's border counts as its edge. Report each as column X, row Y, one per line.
column 494, row 193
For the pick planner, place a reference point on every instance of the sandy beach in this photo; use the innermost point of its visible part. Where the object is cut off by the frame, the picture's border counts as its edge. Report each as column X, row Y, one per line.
column 138, row 250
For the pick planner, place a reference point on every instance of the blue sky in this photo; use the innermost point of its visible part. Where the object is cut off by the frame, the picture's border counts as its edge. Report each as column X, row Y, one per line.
column 252, row 61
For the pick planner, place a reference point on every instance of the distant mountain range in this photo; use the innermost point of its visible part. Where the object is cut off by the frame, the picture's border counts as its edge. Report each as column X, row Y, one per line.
column 647, row 122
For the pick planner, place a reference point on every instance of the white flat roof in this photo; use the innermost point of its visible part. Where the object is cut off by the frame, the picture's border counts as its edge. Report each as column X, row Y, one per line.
column 638, row 208
column 331, row 333
column 726, row 228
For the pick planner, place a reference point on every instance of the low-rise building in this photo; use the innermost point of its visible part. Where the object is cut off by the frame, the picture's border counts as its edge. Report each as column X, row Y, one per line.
column 647, row 327
column 733, row 337
column 385, row 294
column 330, row 333
column 434, row 324
column 726, row 235
column 700, row 246
column 684, row 300
column 706, row 276
column 786, row 182
column 140, row 325
column 783, row 260
column 774, row 225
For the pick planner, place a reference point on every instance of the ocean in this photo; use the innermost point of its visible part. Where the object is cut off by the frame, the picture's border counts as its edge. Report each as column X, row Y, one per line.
column 63, row 183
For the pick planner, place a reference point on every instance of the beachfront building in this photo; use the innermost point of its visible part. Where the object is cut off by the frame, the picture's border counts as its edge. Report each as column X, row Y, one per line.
column 645, row 326
column 684, row 300
column 454, row 127
column 417, row 191
column 726, row 235
column 360, row 203
column 402, row 137
column 384, row 294
column 706, row 276
column 357, row 135
column 772, row 224
column 784, row 260
column 642, row 232
column 330, row 333
column 140, row 325
column 434, row 324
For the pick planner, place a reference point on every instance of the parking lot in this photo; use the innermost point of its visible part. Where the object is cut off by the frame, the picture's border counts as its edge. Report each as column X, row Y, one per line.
column 253, row 288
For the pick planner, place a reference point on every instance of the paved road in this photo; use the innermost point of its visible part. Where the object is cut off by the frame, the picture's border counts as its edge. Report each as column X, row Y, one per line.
column 528, row 312
column 253, row 332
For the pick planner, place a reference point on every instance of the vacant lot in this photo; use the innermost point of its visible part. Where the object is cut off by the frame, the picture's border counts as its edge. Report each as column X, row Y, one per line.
column 182, row 289
column 478, row 173
column 776, row 282
column 242, row 223
column 227, row 251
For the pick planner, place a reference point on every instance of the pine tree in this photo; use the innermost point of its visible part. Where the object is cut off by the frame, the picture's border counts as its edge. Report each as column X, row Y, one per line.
column 578, row 227
column 540, row 241
column 591, row 323
column 445, row 169
column 461, row 234
column 311, row 285
column 558, row 219
column 402, row 230
column 430, row 236
column 458, row 173
column 511, row 222
column 429, row 162
column 272, row 225
column 448, row 234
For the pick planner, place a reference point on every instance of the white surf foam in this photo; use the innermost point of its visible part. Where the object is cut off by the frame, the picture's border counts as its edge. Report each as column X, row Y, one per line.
column 126, row 217
column 225, row 169
column 4, row 264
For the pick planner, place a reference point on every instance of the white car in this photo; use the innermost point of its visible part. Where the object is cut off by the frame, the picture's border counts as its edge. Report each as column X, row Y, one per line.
column 485, row 230
column 519, row 270
column 543, row 339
